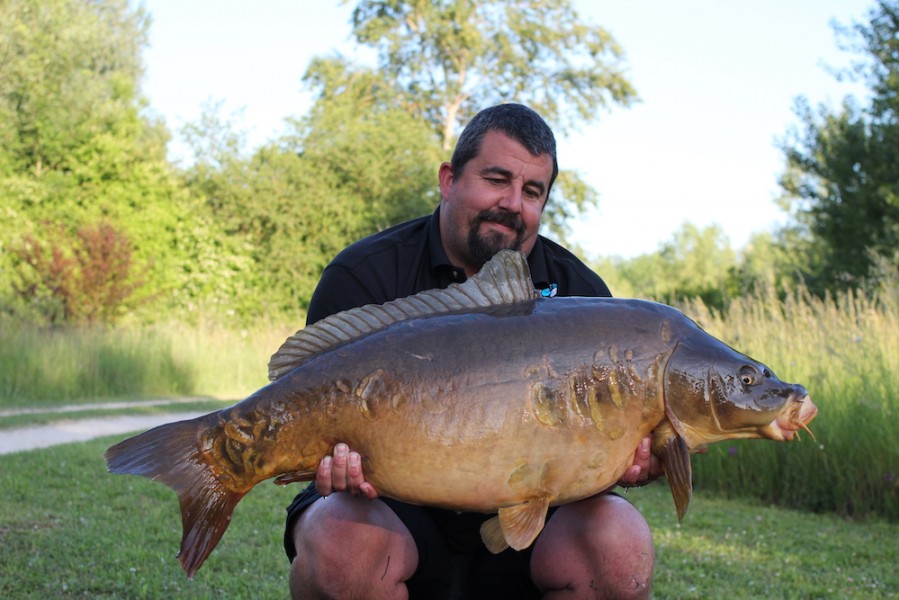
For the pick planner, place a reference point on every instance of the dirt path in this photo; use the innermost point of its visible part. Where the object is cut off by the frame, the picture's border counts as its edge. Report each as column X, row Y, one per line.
column 11, row 412
column 21, row 439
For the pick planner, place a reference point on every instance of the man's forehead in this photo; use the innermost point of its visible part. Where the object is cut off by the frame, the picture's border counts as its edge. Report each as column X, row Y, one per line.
column 499, row 152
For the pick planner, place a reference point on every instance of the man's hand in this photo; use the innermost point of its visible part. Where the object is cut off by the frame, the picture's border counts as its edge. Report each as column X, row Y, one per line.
column 646, row 466
column 343, row 473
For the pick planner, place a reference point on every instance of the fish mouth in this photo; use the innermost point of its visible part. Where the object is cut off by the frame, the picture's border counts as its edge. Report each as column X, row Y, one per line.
column 797, row 414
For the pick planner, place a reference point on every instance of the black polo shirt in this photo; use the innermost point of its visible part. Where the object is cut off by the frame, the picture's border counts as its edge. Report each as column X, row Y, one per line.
column 404, row 260
column 409, row 258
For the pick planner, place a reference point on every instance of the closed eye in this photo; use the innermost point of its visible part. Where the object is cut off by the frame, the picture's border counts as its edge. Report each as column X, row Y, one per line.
column 533, row 194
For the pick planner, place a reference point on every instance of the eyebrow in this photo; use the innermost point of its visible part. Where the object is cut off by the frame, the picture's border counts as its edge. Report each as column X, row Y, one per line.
column 508, row 174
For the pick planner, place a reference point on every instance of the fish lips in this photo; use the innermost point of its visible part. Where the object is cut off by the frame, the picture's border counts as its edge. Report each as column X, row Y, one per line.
column 796, row 414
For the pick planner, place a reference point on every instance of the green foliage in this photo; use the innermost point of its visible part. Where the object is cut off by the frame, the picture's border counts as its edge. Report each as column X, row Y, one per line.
column 78, row 152
column 356, row 164
column 236, row 236
column 694, row 263
column 88, row 278
column 69, row 75
column 453, row 57
column 770, row 260
column 842, row 178
column 379, row 153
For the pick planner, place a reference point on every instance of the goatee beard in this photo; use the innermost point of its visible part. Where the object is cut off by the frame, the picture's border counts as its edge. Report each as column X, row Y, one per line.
column 481, row 248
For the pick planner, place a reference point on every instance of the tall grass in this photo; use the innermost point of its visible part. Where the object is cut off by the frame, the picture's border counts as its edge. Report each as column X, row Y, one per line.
column 845, row 351
column 44, row 367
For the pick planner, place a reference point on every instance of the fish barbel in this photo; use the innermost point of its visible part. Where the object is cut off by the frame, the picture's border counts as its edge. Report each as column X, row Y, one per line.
column 483, row 397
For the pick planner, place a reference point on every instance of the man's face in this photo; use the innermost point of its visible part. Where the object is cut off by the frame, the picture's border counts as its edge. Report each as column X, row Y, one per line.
column 495, row 203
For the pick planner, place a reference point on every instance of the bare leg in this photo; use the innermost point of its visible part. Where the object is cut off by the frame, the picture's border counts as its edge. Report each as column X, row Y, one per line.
column 351, row 547
column 600, row 547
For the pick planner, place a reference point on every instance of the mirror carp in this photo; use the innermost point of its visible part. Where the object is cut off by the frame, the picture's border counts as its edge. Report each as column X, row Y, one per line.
column 482, row 397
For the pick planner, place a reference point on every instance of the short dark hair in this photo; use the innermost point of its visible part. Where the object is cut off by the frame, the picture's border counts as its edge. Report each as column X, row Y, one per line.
column 517, row 121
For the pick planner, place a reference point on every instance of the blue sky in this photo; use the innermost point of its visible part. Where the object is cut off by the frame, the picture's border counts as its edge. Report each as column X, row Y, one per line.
column 717, row 82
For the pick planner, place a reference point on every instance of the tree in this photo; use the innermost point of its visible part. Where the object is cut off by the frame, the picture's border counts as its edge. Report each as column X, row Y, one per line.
column 77, row 149
column 453, row 57
column 356, row 131
column 696, row 262
column 70, row 71
column 777, row 261
column 354, row 165
column 842, row 179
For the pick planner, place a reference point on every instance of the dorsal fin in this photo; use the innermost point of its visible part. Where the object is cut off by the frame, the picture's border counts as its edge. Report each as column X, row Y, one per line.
column 505, row 279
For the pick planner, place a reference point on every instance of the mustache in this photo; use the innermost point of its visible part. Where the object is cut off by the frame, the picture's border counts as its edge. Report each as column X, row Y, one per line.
column 506, row 219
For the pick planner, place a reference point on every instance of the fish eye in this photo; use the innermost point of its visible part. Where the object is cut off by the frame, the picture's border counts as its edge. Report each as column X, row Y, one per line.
column 748, row 376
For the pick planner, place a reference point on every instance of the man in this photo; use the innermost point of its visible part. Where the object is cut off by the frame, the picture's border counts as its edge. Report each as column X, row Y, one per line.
column 356, row 545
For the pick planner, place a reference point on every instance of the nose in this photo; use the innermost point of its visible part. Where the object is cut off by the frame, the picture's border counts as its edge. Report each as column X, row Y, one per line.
column 512, row 198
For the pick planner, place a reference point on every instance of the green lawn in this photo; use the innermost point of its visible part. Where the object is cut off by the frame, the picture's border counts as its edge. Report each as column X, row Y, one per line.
column 68, row 528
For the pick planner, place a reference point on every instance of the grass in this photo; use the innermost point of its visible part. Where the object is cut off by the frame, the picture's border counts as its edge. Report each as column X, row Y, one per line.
column 69, row 529
column 47, row 367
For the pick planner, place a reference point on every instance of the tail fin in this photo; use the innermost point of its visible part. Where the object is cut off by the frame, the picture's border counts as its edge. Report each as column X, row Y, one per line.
column 171, row 454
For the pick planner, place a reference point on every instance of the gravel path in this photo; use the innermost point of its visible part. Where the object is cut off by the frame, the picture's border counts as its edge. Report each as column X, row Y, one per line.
column 10, row 412
column 80, row 430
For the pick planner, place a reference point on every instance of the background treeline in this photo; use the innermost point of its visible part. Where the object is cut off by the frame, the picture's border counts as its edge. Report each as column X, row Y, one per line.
column 124, row 274
column 97, row 225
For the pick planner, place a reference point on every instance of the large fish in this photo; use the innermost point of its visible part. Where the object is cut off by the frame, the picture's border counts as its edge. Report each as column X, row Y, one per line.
column 480, row 397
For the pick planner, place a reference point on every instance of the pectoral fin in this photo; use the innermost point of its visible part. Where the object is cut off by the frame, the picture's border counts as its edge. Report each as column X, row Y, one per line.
column 492, row 536
column 516, row 526
column 672, row 450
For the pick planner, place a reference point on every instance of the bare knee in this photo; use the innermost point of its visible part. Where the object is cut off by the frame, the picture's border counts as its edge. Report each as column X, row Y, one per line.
column 351, row 547
column 599, row 547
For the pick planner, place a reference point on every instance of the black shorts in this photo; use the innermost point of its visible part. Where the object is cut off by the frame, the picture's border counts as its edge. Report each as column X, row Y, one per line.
column 451, row 556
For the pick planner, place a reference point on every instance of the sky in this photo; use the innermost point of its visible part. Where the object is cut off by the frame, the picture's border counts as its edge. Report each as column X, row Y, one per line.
column 717, row 83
